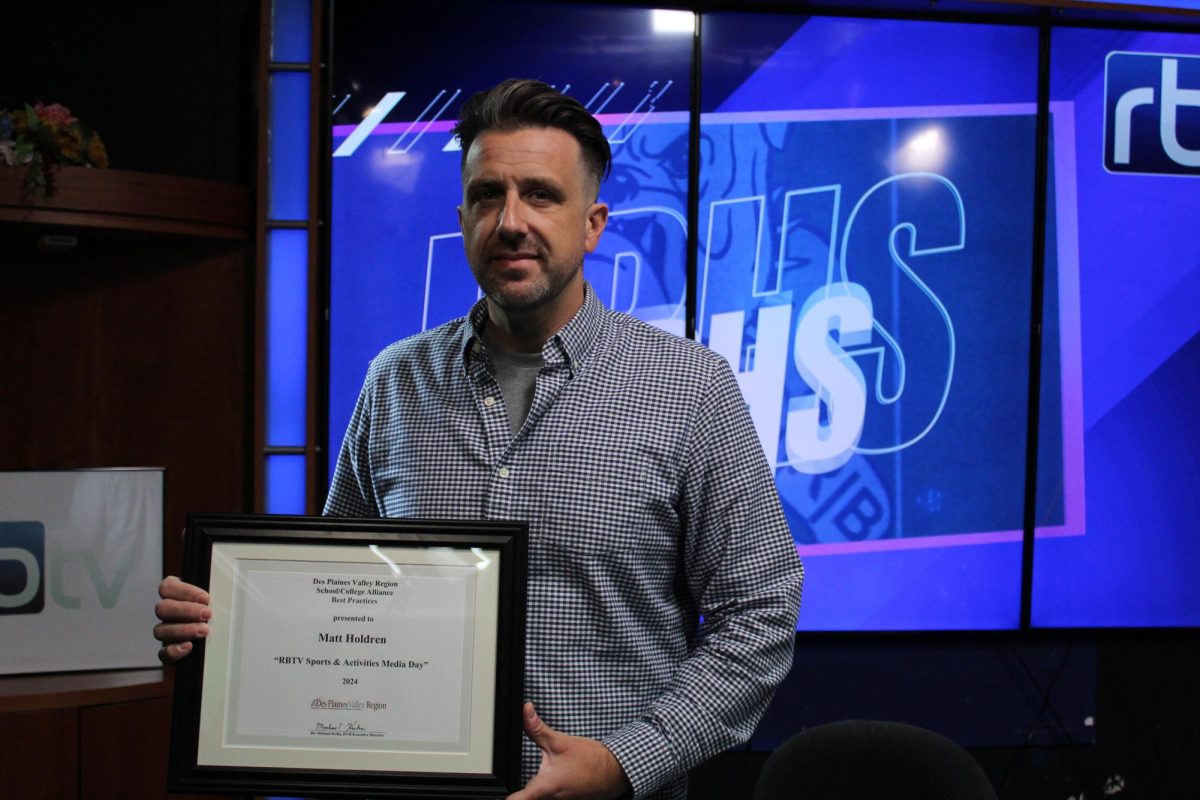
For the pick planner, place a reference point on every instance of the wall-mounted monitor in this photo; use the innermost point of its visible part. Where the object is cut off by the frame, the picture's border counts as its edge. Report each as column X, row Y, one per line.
column 1124, row 208
column 866, row 250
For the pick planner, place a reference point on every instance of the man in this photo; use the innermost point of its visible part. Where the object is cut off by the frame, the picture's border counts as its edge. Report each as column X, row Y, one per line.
column 629, row 452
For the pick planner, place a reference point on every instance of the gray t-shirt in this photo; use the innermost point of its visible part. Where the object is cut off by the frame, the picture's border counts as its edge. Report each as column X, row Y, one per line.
column 517, row 375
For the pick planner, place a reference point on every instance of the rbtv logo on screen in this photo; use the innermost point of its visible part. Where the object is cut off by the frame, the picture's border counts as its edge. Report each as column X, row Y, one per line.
column 1152, row 113
column 22, row 565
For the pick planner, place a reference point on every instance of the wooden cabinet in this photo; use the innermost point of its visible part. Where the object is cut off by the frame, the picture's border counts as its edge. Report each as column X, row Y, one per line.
column 127, row 317
column 85, row 736
column 133, row 346
column 132, row 202
column 39, row 754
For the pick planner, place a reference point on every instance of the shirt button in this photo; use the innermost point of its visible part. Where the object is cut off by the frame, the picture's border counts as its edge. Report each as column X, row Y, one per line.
column 489, row 401
column 504, row 472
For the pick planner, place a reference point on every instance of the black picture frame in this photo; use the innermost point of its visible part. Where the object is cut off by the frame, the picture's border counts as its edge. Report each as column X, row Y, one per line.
column 313, row 540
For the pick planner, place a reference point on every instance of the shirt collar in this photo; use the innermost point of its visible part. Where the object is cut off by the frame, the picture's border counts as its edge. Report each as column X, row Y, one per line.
column 569, row 347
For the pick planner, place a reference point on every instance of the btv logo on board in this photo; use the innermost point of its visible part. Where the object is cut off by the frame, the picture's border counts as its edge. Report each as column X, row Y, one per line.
column 1152, row 113
column 22, row 565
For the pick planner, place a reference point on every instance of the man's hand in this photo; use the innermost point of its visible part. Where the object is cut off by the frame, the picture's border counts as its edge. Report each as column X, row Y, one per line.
column 184, row 614
column 573, row 768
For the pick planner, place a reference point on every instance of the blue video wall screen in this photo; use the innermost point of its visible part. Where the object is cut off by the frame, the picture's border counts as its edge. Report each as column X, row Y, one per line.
column 1125, row 111
column 865, row 261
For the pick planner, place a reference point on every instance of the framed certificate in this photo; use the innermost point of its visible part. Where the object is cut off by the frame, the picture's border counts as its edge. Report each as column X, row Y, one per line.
column 353, row 658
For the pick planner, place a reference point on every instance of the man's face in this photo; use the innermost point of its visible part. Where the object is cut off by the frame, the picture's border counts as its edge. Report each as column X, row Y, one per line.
column 528, row 217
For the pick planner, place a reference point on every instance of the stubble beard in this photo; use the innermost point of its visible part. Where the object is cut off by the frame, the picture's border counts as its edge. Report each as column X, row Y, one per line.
column 545, row 287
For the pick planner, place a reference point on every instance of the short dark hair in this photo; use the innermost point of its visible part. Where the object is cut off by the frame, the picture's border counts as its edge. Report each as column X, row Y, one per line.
column 521, row 103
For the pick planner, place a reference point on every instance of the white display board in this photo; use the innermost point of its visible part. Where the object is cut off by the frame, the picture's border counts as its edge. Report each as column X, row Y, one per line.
column 80, row 562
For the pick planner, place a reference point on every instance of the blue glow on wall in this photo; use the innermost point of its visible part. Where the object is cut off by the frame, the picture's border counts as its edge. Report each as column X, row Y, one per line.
column 289, row 146
column 292, row 28
column 285, row 484
column 287, row 336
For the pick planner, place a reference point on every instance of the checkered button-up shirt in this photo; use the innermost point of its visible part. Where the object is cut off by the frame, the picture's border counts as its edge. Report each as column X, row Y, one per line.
column 649, row 505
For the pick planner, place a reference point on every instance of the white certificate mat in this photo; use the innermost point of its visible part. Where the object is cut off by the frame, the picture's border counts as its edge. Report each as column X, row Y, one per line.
column 374, row 657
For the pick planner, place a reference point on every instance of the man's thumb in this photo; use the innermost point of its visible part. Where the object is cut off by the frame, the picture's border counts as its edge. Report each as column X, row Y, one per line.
column 535, row 729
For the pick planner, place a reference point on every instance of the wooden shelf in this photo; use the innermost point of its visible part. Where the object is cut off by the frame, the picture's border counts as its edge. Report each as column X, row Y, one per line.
column 119, row 200
column 76, row 689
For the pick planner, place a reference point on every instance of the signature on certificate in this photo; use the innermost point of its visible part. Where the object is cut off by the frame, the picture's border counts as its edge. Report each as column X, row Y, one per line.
column 352, row 728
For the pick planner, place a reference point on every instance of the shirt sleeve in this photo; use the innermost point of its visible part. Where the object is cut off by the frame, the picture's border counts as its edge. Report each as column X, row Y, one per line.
column 352, row 491
column 743, row 574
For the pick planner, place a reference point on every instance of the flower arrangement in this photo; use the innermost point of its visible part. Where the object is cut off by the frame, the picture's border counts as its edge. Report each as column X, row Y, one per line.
column 43, row 137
